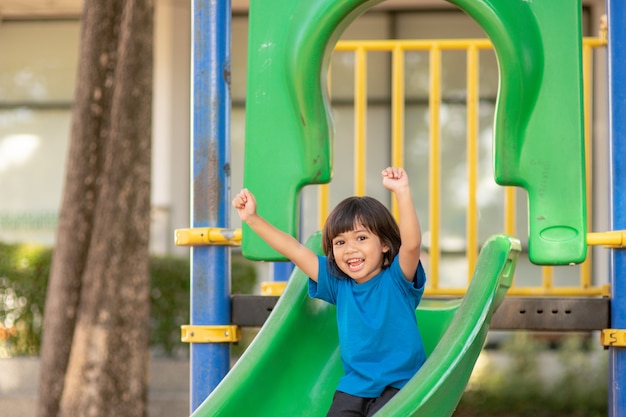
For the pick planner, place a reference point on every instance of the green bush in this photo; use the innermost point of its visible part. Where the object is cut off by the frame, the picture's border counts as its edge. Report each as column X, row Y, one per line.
column 170, row 298
column 23, row 280
column 580, row 389
column 24, row 271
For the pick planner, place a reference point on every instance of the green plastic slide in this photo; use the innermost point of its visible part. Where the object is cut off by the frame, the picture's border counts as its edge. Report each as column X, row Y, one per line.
column 293, row 365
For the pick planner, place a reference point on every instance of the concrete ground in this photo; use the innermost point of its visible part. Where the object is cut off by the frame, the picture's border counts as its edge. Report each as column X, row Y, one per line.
column 168, row 395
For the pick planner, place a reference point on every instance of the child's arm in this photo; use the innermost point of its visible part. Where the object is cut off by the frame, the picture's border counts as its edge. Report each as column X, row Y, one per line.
column 397, row 181
column 282, row 242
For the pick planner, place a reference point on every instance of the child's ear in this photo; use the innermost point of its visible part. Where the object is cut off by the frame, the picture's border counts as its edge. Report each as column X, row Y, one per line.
column 385, row 248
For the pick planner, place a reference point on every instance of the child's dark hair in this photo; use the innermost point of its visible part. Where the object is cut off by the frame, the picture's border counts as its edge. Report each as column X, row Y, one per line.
column 371, row 214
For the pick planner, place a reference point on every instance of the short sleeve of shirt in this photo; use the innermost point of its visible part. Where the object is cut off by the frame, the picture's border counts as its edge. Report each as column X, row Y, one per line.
column 414, row 289
column 326, row 287
column 419, row 282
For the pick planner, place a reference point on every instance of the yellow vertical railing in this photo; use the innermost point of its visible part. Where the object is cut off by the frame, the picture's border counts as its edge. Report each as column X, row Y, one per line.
column 398, row 48
column 397, row 114
column 434, row 105
column 587, row 88
column 509, row 210
column 472, row 159
column 360, row 120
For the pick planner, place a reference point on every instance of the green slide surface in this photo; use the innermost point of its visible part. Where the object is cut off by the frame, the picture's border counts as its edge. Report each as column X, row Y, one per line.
column 293, row 365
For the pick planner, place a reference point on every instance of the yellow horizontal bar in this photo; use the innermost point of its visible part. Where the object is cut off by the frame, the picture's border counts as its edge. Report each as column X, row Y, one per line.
column 273, row 288
column 595, row 41
column 203, row 236
column 562, row 291
column 529, row 291
column 412, row 44
column 613, row 337
column 210, row 334
column 425, row 44
column 613, row 239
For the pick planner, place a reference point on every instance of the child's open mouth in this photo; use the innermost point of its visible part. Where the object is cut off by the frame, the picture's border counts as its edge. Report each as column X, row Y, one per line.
column 355, row 264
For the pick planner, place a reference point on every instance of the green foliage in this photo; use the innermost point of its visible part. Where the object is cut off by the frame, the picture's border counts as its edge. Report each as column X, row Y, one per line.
column 572, row 392
column 522, row 388
column 170, row 298
column 24, row 271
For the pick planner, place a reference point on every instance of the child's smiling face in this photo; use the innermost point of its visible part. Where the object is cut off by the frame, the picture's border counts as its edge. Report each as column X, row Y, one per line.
column 359, row 253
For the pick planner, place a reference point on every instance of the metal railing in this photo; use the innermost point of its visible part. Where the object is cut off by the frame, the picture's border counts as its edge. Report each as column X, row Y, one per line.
column 398, row 49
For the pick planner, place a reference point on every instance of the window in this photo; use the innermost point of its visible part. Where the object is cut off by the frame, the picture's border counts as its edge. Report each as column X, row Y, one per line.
column 37, row 77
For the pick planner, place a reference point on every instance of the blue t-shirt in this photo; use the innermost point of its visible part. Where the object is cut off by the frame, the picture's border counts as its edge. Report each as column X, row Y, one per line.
column 379, row 340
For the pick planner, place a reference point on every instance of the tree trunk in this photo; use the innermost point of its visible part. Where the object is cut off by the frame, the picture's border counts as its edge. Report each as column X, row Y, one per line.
column 95, row 347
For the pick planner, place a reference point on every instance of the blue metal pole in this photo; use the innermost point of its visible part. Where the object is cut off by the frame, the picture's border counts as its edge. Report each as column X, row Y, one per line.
column 281, row 271
column 617, row 140
column 210, row 265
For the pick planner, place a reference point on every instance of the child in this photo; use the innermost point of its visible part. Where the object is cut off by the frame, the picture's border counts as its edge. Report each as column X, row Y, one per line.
column 373, row 274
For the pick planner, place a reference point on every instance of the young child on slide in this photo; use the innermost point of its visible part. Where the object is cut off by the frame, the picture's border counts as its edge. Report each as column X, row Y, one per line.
column 373, row 274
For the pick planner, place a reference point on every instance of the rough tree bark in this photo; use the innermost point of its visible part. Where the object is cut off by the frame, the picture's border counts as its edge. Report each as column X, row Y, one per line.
column 95, row 348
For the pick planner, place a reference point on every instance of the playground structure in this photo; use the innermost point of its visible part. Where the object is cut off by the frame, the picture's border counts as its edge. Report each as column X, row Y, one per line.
column 526, row 141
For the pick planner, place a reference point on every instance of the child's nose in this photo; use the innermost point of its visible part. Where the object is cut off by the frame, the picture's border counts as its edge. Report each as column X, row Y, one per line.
column 350, row 247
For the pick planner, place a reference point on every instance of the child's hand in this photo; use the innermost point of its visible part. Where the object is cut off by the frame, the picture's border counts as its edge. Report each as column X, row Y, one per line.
column 395, row 179
column 245, row 204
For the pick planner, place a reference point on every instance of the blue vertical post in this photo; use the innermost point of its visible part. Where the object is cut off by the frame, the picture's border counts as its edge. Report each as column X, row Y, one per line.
column 210, row 127
column 281, row 271
column 617, row 139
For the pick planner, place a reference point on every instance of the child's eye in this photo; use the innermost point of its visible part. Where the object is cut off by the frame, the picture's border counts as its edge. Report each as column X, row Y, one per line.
column 338, row 242
column 361, row 238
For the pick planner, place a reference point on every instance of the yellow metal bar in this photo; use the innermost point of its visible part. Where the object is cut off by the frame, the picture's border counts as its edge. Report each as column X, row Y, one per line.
column 588, row 44
column 273, row 287
column 595, row 42
column 441, row 44
column 613, row 239
column 509, row 211
column 435, row 169
column 360, row 91
column 547, row 276
column 413, row 44
column 613, row 337
column 397, row 116
column 472, row 160
column 586, row 266
column 557, row 291
column 323, row 204
column 210, row 334
column 203, row 236
column 527, row 291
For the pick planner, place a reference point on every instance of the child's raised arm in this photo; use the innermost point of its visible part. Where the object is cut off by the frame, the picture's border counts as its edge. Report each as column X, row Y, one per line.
column 282, row 242
column 396, row 180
